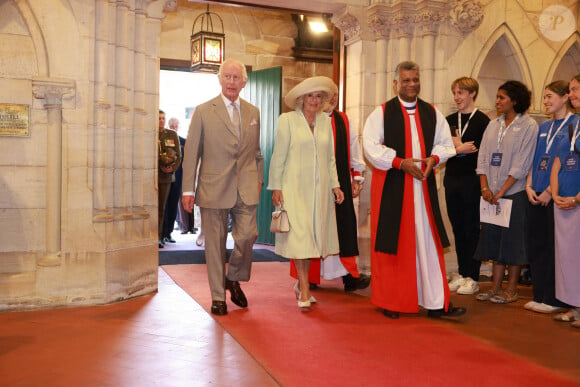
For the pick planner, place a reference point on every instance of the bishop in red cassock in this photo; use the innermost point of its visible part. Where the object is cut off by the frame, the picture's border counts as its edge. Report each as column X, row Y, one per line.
column 404, row 139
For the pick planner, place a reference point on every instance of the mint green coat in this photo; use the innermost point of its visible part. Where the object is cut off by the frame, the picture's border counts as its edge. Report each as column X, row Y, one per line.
column 303, row 167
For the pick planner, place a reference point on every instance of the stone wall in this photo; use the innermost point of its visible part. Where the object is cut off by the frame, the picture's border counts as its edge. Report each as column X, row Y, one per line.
column 258, row 38
column 78, row 210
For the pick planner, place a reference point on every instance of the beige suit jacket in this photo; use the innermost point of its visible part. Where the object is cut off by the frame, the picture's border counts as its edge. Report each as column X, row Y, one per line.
column 227, row 165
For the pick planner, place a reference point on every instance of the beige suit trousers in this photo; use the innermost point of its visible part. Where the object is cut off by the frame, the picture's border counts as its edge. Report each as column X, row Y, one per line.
column 244, row 232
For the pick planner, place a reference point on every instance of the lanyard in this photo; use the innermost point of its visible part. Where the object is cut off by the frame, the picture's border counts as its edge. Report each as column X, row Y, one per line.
column 503, row 130
column 462, row 130
column 549, row 137
column 574, row 137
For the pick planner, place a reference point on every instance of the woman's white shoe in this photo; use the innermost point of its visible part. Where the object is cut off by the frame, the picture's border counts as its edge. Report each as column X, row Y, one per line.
column 297, row 292
column 304, row 305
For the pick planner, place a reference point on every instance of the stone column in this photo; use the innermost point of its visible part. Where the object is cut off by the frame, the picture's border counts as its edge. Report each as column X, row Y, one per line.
column 139, row 112
column 361, row 58
column 52, row 91
column 150, row 130
column 428, row 28
column 404, row 34
column 382, row 69
column 123, row 141
column 98, row 163
column 427, row 69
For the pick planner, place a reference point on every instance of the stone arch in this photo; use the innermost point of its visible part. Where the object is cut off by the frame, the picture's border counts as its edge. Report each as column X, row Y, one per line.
column 566, row 63
column 500, row 58
column 36, row 36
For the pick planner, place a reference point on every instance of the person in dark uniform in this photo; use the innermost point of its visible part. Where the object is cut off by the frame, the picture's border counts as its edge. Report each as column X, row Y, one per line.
column 169, row 158
column 174, row 192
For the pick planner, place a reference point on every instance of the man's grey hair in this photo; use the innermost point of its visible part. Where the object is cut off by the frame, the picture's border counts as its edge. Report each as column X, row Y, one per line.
column 172, row 121
column 406, row 65
column 237, row 63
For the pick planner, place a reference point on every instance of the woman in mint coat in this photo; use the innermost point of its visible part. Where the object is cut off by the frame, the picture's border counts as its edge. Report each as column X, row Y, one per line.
column 303, row 178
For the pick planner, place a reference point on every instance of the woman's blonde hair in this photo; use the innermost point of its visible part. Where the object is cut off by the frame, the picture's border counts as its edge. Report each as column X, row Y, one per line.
column 299, row 103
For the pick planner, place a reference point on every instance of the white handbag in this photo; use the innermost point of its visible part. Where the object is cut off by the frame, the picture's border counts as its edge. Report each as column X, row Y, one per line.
column 279, row 221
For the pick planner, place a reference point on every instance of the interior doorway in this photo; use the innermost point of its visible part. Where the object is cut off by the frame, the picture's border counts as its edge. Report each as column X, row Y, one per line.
column 181, row 91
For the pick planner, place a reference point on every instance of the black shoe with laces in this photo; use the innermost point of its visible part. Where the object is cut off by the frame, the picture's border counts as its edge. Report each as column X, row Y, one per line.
column 351, row 283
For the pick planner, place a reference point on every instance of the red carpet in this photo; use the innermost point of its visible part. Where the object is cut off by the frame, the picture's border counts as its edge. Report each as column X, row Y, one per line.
column 345, row 341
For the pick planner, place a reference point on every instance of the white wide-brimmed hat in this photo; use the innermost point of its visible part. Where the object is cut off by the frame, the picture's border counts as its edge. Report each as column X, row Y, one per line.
column 309, row 85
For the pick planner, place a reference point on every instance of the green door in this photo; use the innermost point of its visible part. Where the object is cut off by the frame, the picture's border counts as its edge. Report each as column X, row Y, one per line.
column 264, row 89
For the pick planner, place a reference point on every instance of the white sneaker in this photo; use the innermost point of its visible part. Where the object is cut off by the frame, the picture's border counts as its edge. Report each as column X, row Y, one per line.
column 456, row 282
column 468, row 286
column 545, row 308
column 530, row 305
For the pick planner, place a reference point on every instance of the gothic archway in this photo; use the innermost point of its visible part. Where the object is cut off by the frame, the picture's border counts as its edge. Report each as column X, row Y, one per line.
column 567, row 61
column 500, row 59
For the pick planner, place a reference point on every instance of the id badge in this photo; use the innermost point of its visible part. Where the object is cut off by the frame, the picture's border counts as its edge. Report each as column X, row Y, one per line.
column 571, row 163
column 496, row 159
column 544, row 162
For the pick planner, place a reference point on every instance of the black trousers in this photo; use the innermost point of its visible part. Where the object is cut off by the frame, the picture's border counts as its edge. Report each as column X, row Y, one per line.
column 541, row 253
column 163, row 193
column 462, row 195
column 170, row 213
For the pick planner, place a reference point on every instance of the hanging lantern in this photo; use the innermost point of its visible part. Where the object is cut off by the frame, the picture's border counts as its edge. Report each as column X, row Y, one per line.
column 207, row 45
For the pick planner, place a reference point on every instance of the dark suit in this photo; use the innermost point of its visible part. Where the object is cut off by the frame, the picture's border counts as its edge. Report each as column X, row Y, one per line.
column 230, row 172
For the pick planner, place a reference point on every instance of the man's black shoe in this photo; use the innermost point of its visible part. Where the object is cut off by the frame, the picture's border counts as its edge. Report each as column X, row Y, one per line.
column 452, row 311
column 391, row 314
column 219, row 308
column 525, row 277
column 238, row 297
column 351, row 283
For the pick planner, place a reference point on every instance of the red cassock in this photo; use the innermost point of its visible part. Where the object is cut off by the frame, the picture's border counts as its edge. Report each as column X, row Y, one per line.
column 394, row 276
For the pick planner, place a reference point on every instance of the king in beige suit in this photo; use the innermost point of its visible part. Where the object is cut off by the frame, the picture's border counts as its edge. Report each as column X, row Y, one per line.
column 224, row 140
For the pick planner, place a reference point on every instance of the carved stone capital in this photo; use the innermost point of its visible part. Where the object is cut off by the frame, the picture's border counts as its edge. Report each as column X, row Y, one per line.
column 404, row 19
column 380, row 24
column 348, row 23
column 52, row 90
column 403, row 24
column 429, row 20
column 466, row 15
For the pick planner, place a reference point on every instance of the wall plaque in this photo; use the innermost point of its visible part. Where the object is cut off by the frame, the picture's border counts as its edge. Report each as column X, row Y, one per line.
column 14, row 120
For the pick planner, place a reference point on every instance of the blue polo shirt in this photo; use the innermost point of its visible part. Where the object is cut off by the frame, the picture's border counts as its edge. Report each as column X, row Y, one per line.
column 568, row 181
column 543, row 158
